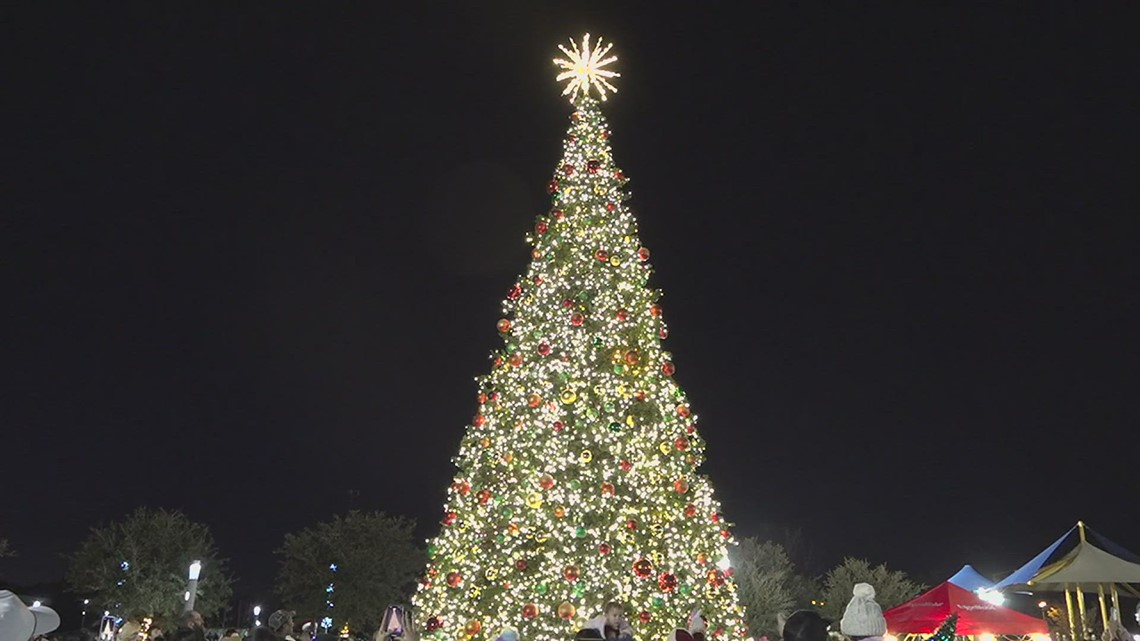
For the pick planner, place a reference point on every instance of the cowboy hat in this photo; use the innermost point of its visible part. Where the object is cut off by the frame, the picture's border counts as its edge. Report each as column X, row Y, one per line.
column 18, row 622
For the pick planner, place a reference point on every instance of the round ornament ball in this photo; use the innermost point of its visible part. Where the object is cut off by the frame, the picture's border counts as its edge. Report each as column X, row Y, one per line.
column 681, row 443
column 586, row 456
column 680, row 486
column 569, row 396
column 546, row 481
column 534, row 500
column 484, row 496
column 655, row 310
column 667, row 582
column 473, row 627
column 664, row 333
column 454, row 579
column 544, row 349
column 643, row 568
column 690, row 510
column 516, row 359
column 558, row 214
column 503, row 326
column 567, row 169
column 604, row 549
column 571, row 573
column 515, row 293
column 622, row 315
column 559, row 511
column 541, row 227
column 580, row 532
column 644, row 616
column 434, row 624
column 567, row 303
column 610, row 207
column 607, row 489
column 521, row 565
column 576, row 319
column 601, row 255
column 631, row 524
column 449, row 518
column 552, row 187
column 530, row 611
column 566, row 610
column 643, row 254
column 557, row 426
column 632, row 357
column 668, row 368
column 593, row 165
column 534, row 400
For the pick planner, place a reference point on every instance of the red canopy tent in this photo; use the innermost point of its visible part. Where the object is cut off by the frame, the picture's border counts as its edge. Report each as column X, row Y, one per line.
column 924, row 613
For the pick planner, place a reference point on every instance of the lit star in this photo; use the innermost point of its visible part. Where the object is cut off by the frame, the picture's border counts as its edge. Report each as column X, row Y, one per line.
column 584, row 68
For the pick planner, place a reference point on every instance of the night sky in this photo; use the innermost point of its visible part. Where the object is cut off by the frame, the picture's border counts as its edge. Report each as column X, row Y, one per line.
column 254, row 255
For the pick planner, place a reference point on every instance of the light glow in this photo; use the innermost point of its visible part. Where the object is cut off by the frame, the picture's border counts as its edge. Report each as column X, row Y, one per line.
column 195, row 570
column 992, row 597
column 584, row 68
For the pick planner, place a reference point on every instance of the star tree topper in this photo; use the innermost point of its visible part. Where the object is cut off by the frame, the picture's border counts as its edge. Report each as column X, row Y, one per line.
column 584, row 68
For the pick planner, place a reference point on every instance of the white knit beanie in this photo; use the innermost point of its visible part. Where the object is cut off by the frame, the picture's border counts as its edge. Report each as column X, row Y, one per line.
column 863, row 616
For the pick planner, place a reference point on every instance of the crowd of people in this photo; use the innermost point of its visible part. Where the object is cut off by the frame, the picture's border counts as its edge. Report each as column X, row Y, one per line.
column 862, row 621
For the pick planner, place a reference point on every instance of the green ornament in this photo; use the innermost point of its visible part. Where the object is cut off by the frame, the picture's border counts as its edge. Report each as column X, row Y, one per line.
column 591, row 412
column 579, row 589
column 619, row 368
column 507, row 511
column 575, row 484
column 609, row 407
column 583, row 295
column 677, row 393
column 598, row 341
column 580, row 532
column 512, row 348
column 500, row 538
column 686, row 589
column 432, row 549
column 537, row 333
column 540, row 588
column 615, row 426
column 657, row 602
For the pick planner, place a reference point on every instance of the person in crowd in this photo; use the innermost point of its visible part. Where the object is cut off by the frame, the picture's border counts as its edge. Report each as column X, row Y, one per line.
column 694, row 629
column 231, row 635
column 262, row 633
column 863, row 618
column 612, row 624
column 191, row 627
column 281, row 624
column 130, row 629
column 805, row 625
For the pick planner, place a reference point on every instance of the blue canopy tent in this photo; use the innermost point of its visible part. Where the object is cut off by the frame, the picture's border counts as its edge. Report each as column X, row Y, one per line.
column 970, row 579
column 1081, row 557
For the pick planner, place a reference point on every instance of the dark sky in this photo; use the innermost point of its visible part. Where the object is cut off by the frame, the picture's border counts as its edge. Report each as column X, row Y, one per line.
column 254, row 255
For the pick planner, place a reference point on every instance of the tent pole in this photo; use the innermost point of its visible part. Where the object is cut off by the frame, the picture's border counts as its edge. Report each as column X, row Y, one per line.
column 1116, row 602
column 1072, row 619
column 1103, row 607
column 1082, row 611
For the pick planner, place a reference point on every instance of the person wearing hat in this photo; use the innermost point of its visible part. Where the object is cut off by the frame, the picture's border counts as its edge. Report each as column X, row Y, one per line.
column 281, row 624
column 863, row 618
column 694, row 629
column 18, row 622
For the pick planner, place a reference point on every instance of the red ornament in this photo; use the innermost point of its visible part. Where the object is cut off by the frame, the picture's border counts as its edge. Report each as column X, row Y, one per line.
column 713, row 577
column 567, row 303
column 571, row 573
column 702, row 558
column 544, row 349
column 644, row 616
column 576, row 319
column 567, row 169
column 520, row 565
column 655, row 310
column 622, row 315
column 680, row 486
column 530, row 611
column 643, row 568
column 601, row 255
column 463, row 487
column 557, row 426
column 667, row 582
column 434, row 624
column 454, row 579
column 664, row 333
column 484, row 496
column 473, row 627
column 592, row 166
column 610, row 207
column 546, row 481
column 690, row 428
column 690, row 510
column 515, row 292
column 626, row 466
column 643, row 254
column 534, row 400
column 540, row 227
column 619, row 175
column 607, row 489
column 681, row 443
column 604, row 549
column 552, row 186
column 480, row 420
column 667, row 368
column 715, row 517
column 449, row 518
column 515, row 359
column 503, row 325
column 538, row 280
column 683, row 411
column 724, row 534
column 631, row 357
column 558, row 214
column 631, row 524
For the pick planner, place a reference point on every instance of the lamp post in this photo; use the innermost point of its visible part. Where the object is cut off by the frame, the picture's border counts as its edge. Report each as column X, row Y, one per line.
column 192, row 586
column 256, row 616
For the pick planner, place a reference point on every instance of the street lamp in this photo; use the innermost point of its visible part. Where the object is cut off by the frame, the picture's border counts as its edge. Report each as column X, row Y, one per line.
column 192, row 587
column 256, row 615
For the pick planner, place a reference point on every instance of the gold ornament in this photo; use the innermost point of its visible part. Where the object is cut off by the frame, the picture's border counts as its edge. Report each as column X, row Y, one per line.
column 534, row 500
column 586, row 456
column 569, row 396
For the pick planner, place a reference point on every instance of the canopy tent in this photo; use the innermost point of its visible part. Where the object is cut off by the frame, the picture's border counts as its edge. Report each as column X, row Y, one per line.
column 970, row 579
column 1081, row 560
column 924, row 613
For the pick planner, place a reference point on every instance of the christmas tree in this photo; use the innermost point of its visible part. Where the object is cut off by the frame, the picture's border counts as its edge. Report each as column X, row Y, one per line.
column 576, row 481
column 947, row 630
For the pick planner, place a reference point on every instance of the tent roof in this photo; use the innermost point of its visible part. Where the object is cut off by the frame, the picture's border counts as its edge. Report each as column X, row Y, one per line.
column 970, row 579
column 924, row 613
column 1088, row 564
column 1057, row 552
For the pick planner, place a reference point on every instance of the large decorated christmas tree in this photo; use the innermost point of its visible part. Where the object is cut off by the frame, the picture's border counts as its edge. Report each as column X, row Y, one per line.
column 577, row 480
